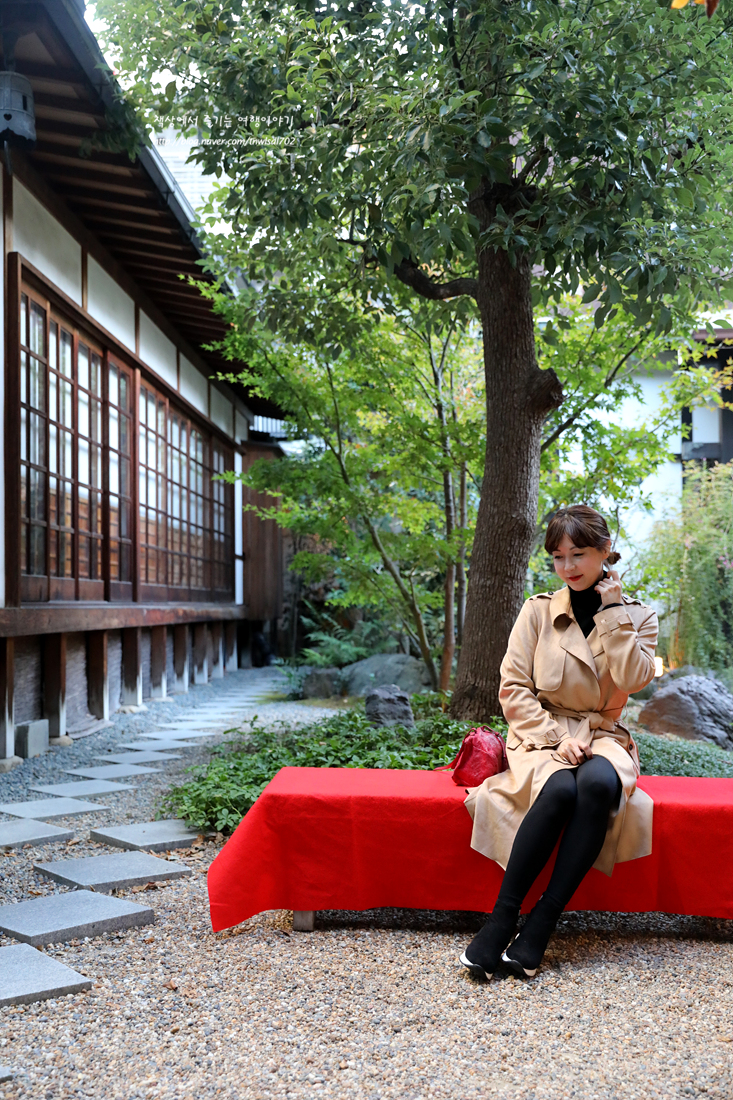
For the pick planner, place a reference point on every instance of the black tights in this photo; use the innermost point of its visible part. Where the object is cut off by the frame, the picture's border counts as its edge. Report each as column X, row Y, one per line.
column 580, row 800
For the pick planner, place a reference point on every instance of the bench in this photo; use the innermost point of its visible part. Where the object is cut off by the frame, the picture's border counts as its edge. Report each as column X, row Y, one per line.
column 355, row 839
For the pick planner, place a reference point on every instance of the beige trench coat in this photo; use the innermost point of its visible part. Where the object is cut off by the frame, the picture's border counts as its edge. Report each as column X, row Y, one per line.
column 555, row 684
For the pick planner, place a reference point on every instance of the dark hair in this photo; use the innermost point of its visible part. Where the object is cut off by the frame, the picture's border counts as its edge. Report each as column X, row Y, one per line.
column 583, row 526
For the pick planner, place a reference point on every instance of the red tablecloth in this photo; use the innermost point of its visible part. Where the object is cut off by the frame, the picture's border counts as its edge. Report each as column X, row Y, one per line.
column 347, row 838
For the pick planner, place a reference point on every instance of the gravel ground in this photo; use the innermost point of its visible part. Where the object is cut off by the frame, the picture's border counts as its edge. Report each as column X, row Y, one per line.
column 369, row 1005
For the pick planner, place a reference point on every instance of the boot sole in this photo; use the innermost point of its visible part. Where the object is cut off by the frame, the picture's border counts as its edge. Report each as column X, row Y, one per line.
column 476, row 970
column 517, row 968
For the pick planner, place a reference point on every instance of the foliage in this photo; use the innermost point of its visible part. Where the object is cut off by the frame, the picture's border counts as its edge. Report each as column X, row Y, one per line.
column 441, row 147
column 597, row 135
column 393, row 430
column 333, row 645
column 219, row 793
column 687, row 567
column 662, row 754
column 590, row 450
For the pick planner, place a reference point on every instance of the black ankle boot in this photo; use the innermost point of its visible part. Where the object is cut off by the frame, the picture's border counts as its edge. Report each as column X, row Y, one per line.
column 524, row 955
column 482, row 955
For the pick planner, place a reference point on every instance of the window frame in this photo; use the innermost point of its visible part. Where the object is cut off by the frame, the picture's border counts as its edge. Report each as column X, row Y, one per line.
column 218, row 575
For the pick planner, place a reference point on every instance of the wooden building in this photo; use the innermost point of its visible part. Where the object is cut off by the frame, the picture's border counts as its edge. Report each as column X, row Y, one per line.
column 124, row 570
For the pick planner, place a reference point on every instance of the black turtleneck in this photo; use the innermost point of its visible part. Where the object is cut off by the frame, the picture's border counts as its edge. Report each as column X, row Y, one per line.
column 586, row 604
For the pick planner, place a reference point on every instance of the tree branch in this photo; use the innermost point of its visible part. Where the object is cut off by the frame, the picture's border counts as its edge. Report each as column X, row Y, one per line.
column 411, row 275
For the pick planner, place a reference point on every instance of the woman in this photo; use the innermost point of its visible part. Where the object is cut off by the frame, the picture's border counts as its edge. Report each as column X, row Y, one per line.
column 573, row 659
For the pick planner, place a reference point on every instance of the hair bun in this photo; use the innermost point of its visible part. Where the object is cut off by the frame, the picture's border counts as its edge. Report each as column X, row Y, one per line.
column 613, row 557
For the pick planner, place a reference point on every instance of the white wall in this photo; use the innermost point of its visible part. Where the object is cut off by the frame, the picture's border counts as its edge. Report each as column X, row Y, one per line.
column 241, row 427
column 222, row 411
column 42, row 240
column 108, row 303
column 706, row 425
column 157, row 351
column 194, row 386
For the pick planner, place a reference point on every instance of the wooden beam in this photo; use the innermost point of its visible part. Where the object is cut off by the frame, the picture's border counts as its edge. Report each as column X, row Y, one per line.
column 98, row 673
column 180, row 658
column 132, row 667
column 217, row 639
column 230, row 647
column 50, row 618
column 158, row 662
column 54, row 683
column 112, row 169
column 7, row 715
column 200, row 642
column 13, row 516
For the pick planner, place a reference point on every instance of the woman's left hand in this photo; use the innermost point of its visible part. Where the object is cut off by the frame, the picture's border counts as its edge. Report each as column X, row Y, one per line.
column 610, row 589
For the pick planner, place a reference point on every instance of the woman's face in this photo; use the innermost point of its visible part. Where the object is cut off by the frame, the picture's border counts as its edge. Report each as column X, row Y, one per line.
column 579, row 566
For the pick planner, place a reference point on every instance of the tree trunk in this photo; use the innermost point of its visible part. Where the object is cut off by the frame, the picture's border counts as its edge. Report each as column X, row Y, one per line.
column 449, row 636
column 461, row 563
column 518, row 397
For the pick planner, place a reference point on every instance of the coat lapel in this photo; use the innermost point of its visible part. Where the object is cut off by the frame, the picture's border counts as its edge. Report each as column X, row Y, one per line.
column 571, row 637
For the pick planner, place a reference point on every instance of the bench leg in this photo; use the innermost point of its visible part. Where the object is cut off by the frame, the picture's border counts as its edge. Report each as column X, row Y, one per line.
column 304, row 920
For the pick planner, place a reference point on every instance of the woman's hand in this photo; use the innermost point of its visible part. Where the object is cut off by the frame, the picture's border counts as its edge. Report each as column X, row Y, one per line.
column 610, row 589
column 574, row 751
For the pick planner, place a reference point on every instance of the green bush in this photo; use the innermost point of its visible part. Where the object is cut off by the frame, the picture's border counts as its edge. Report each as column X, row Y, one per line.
column 667, row 755
column 219, row 793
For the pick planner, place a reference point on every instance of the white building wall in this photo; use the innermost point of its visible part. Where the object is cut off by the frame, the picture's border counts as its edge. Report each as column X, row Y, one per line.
column 108, row 304
column 222, row 411
column 194, row 386
column 706, row 425
column 241, row 427
column 44, row 242
column 157, row 351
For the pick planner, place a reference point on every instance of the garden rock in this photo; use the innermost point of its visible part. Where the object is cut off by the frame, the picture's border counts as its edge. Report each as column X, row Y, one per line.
column 389, row 705
column 322, row 683
column 386, row 668
column 699, row 708
column 674, row 674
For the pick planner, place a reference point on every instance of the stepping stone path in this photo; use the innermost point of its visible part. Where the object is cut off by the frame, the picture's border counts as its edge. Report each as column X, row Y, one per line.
column 28, row 975
column 149, row 836
column 14, row 834
column 86, row 910
column 60, row 917
column 112, row 771
column 114, row 871
column 170, row 732
column 159, row 746
column 141, row 757
column 50, row 807
column 85, row 787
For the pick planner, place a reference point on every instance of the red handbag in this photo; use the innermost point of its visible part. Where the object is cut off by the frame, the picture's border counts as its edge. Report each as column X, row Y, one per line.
column 482, row 753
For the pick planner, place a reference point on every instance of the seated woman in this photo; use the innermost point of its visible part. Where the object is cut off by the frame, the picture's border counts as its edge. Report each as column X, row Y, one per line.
column 573, row 659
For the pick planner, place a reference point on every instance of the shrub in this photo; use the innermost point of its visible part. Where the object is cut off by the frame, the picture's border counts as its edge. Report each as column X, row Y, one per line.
column 219, row 793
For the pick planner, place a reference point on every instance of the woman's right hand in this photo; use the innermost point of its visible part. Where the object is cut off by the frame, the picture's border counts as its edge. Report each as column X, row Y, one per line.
column 574, row 751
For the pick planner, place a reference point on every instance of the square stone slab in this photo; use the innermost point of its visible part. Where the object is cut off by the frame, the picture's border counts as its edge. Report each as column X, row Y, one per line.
column 175, row 733
column 154, row 836
column 112, row 771
column 28, row 975
column 6, row 1073
column 159, row 745
column 60, row 917
column 49, row 807
column 112, row 871
column 14, row 834
column 136, row 757
column 86, row 787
